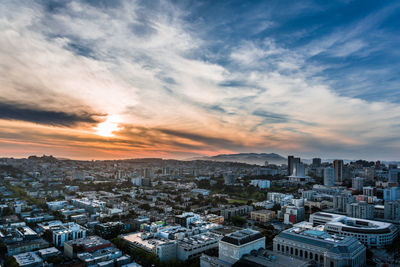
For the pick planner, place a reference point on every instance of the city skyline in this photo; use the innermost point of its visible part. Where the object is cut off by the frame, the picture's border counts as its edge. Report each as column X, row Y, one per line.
column 177, row 79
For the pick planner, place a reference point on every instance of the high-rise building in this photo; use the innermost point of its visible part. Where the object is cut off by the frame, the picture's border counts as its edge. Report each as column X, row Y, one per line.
column 338, row 166
column 329, row 176
column 340, row 201
column 393, row 175
column 292, row 163
column 357, row 184
column 391, row 194
column 316, row 162
column 392, row 210
column 368, row 191
column 361, row 210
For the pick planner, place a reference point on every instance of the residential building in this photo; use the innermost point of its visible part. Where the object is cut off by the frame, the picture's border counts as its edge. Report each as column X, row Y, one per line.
column 262, row 216
column 338, row 167
column 329, row 176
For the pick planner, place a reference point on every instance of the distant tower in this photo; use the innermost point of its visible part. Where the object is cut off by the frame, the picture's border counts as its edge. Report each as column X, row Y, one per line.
column 292, row 161
column 338, row 166
column 316, row 162
column 329, row 176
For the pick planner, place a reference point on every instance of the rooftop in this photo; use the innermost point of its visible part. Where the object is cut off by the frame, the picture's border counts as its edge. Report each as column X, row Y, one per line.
column 242, row 237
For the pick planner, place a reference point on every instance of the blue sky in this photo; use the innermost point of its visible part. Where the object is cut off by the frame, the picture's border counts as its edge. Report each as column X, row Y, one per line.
column 118, row 79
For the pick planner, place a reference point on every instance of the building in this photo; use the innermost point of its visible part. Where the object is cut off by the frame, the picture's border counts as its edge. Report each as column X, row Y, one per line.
column 357, row 184
column 109, row 230
column 320, row 247
column 212, row 218
column 236, row 211
column 58, row 233
column 341, row 200
column 229, row 178
column 372, row 234
column 338, row 167
column 261, row 183
column 361, row 210
column 192, row 247
column 279, row 198
column 293, row 214
column 329, row 176
column 234, row 246
column 316, row 162
column 391, row 194
column 368, row 191
column 29, row 259
column 91, row 206
column 262, row 215
column 394, row 175
column 186, row 218
column 392, row 210
column 87, row 244
column 164, row 249
column 291, row 164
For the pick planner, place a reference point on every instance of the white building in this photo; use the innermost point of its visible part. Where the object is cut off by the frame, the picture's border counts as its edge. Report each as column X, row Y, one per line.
column 234, row 246
column 372, row 234
column 60, row 233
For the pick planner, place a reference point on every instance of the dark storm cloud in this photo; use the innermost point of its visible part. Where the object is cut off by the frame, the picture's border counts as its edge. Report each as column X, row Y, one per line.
column 9, row 111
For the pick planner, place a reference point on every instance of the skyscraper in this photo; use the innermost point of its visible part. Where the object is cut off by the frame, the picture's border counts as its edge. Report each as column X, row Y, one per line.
column 292, row 163
column 316, row 162
column 329, row 176
column 338, row 166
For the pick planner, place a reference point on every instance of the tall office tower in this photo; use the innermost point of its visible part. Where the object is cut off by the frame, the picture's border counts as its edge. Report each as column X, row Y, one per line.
column 289, row 164
column 292, row 161
column 316, row 162
column 329, row 176
column 357, row 184
column 338, row 166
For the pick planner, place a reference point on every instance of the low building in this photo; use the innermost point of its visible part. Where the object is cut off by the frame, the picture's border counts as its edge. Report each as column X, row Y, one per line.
column 192, row 247
column 320, row 247
column 234, row 246
column 186, row 218
column 87, row 244
column 58, row 232
column 262, row 215
column 28, row 259
column 165, row 249
column 236, row 211
column 109, row 230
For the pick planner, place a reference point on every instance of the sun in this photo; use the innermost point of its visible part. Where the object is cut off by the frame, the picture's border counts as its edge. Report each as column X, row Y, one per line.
column 108, row 127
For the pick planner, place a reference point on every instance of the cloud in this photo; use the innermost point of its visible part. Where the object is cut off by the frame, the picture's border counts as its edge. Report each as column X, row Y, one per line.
column 12, row 111
column 184, row 80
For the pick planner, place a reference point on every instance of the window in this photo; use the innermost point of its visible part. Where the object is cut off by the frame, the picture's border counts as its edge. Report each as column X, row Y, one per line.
column 296, row 252
column 311, row 256
column 306, row 254
column 301, row 253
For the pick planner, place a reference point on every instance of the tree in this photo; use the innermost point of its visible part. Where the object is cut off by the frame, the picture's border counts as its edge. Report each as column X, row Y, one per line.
column 238, row 220
column 10, row 262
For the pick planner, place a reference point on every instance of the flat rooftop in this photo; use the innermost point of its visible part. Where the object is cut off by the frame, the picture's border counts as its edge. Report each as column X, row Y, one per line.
column 142, row 240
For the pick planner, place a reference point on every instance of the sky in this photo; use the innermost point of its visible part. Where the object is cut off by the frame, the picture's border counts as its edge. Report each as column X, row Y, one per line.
column 177, row 79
